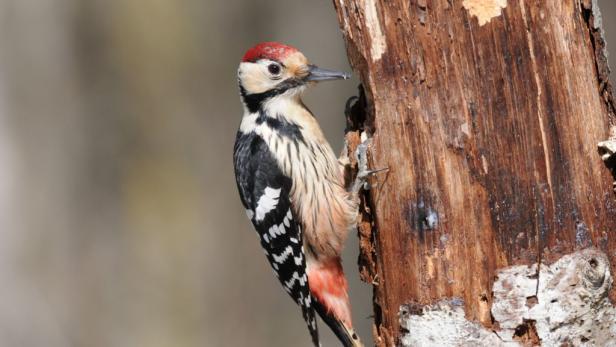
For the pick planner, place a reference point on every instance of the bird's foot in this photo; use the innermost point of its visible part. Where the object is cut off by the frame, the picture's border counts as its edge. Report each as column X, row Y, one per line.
column 363, row 173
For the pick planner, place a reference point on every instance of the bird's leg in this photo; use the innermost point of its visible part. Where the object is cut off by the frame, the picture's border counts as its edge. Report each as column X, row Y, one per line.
column 354, row 183
column 363, row 173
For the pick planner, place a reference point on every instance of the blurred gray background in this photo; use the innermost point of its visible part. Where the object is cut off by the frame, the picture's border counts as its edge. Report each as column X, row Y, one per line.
column 120, row 223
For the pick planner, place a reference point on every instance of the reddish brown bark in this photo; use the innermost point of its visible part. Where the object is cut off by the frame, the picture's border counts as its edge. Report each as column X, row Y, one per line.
column 490, row 133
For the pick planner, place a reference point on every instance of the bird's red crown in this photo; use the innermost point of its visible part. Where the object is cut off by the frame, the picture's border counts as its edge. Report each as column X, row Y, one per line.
column 268, row 50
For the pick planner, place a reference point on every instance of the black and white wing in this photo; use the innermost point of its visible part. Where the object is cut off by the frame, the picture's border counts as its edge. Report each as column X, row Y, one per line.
column 265, row 193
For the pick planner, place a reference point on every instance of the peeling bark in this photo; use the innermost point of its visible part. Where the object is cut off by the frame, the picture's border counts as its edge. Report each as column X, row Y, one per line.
column 488, row 115
column 568, row 307
column 567, row 303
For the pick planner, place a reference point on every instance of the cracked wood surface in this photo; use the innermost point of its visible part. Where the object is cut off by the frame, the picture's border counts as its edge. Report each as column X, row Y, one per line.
column 490, row 133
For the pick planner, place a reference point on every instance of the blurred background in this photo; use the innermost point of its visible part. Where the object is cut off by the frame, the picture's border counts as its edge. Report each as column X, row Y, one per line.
column 120, row 223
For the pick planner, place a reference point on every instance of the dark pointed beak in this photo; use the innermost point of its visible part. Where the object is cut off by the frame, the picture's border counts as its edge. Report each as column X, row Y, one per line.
column 316, row 74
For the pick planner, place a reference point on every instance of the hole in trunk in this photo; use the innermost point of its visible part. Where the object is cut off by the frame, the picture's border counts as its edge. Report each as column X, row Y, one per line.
column 531, row 301
column 526, row 333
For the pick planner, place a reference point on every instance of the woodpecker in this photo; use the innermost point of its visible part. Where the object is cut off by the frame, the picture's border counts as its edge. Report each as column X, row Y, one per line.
column 292, row 185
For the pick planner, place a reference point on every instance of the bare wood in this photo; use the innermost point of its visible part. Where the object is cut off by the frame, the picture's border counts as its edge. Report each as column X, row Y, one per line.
column 489, row 122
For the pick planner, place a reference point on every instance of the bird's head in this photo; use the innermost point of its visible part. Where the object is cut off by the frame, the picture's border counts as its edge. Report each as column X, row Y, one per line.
column 271, row 69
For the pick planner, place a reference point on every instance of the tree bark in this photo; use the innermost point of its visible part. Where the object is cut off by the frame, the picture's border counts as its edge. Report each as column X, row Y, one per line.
column 488, row 114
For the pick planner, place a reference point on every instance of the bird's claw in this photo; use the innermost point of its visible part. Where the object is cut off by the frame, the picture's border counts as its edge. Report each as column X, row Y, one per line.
column 361, row 180
column 363, row 173
column 367, row 173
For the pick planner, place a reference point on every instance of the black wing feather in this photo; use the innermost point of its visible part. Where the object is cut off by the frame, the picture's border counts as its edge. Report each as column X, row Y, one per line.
column 260, row 180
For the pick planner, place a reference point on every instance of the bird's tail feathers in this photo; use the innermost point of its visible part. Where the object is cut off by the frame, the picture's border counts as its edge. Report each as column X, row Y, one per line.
column 345, row 333
column 328, row 287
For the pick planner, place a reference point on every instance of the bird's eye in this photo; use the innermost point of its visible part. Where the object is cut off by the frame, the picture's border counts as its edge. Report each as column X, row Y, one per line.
column 274, row 69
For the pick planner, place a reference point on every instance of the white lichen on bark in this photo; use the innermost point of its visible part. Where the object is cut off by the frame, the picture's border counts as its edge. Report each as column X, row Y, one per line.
column 443, row 324
column 565, row 303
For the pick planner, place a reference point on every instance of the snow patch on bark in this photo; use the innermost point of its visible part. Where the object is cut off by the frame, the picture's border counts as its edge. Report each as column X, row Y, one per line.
column 484, row 10
column 563, row 304
column 378, row 45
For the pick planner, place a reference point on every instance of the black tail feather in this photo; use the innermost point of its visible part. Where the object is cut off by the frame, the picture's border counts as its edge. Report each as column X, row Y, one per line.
column 311, row 322
column 337, row 327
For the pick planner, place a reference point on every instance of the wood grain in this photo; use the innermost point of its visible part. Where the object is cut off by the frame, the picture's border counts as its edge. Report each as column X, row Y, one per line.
column 490, row 133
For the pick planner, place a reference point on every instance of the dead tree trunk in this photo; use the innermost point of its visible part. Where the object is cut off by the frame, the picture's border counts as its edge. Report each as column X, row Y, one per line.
column 497, row 206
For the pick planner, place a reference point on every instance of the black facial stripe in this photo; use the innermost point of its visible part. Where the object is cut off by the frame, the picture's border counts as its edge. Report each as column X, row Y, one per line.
column 282, row 126
column 255, row 101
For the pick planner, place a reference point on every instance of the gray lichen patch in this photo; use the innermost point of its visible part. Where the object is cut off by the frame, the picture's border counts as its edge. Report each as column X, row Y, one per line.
column 563, row 304
column 443, row 324
column 571, row 306
column 484, row 10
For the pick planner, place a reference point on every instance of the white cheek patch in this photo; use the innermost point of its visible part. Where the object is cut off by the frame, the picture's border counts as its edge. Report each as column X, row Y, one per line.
column 267, row 202
column 255, row 78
